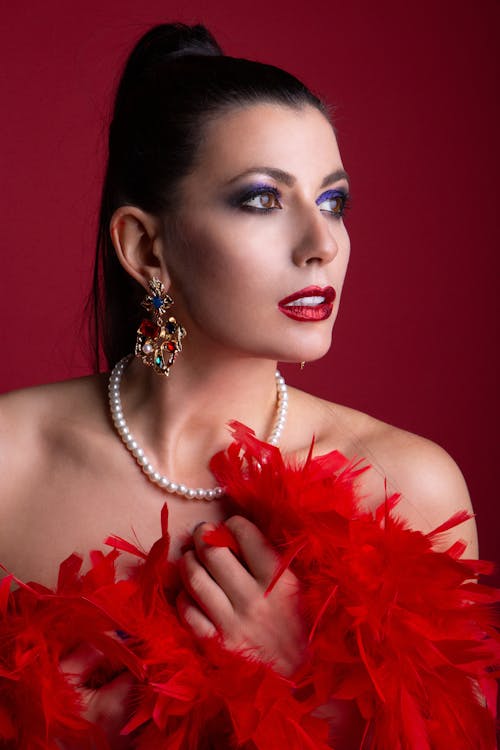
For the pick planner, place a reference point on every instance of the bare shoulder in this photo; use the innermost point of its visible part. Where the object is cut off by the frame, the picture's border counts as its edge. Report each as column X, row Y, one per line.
column 26, row 406
column 431, row 485
column 33, row 421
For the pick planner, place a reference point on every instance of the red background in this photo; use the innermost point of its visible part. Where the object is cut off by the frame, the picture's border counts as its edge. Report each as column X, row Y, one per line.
column 416, row 90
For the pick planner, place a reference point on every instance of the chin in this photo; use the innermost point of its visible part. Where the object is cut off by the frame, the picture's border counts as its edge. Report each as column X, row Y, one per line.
column 307, row 351
column 306, row 342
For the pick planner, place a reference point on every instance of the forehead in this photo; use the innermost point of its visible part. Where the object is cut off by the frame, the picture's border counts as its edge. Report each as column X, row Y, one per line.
column 298, row 140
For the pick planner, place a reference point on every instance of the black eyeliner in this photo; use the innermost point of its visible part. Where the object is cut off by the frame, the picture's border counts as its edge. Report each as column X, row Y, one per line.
column 340, row 193
column 247, row 193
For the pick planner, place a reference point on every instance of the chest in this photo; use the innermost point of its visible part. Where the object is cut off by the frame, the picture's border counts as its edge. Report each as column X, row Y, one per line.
column 60, row 512
column 74, row 505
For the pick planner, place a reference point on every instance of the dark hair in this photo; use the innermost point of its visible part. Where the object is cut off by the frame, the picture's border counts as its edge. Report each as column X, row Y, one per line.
column 174, row 81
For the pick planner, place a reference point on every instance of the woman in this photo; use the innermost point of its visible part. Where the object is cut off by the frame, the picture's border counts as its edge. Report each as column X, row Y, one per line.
column 225, row 188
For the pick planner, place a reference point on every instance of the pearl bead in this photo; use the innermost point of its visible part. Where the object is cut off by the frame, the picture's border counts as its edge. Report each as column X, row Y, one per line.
column 147, row 348
column 132, row 445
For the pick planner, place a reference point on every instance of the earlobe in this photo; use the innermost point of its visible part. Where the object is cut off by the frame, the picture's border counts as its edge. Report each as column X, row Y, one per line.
column 138, row 242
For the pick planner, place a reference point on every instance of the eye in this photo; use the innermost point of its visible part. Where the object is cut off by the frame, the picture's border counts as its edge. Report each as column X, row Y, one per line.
column 261, row 199
column 333, row 202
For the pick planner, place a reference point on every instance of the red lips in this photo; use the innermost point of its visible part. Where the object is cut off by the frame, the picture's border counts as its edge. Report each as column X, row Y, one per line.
column 303, row 312
column 328, row 292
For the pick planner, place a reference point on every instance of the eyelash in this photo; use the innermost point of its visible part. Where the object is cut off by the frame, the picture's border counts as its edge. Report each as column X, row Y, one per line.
column 345, row 201
column 344, row 197
column 255, row 193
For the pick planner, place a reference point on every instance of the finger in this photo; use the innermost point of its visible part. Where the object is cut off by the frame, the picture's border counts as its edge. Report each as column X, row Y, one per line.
column 233, row 578
column 194, row 618
column 206, row 592
column 258, row 554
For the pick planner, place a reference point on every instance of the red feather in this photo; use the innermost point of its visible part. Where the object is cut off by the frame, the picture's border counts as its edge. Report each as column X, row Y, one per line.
column 221, row 536
column 394, row 624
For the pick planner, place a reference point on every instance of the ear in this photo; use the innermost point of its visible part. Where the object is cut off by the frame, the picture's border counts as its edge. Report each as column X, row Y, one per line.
column 138, row 240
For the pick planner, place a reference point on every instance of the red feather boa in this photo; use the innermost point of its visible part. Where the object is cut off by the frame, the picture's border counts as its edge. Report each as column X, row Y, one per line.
column 394, row 624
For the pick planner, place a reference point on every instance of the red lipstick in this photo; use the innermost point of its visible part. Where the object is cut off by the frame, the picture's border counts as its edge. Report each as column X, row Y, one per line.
column 309, row 304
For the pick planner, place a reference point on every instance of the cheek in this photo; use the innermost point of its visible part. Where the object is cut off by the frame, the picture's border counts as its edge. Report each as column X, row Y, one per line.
column 342, row 259
column 192, row 265
column 218, row 259
column 214, row 276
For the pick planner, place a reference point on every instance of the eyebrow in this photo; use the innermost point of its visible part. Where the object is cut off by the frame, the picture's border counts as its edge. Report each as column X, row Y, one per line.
column 281, row 176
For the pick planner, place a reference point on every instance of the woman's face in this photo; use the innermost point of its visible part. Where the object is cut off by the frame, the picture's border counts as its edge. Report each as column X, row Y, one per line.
column 261, row 241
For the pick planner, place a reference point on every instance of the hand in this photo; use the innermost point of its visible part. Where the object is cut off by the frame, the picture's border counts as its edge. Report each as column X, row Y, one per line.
column 105, row 696
column 226, row 596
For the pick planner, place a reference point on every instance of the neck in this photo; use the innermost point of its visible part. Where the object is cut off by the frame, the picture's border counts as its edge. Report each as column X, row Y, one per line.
column 181, row 421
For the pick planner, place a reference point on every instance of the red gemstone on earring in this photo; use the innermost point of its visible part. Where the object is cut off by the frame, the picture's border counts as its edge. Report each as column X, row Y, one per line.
column 149, row 329
column 171, row 347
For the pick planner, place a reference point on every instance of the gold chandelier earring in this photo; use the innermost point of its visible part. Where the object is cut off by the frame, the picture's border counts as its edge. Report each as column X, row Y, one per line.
column 159, row 340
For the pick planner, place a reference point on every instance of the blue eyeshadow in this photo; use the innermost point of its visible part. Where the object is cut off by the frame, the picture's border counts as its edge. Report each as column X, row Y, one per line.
column 331, row 194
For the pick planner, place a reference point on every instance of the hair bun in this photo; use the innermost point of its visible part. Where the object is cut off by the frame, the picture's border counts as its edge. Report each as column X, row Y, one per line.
column 168, row 41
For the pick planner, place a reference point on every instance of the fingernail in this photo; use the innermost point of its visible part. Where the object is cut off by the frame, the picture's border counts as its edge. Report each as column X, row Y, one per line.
column 200, row 523
column 122, row 635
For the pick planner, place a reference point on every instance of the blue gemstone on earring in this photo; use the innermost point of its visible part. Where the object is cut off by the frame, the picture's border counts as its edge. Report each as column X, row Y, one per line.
column 157, row 302
column 158, row 361
column 170, row 327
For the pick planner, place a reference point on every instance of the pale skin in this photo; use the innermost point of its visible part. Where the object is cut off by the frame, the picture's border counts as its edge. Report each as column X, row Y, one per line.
column 73, row 483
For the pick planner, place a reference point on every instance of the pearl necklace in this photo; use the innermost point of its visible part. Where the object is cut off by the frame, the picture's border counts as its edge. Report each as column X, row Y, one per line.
column 190, row 493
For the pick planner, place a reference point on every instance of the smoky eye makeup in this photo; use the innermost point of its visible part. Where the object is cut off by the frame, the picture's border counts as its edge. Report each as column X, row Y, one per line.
column 244, row 195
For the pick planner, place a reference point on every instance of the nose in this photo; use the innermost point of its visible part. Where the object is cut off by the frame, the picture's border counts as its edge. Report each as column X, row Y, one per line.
column 316, row 240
